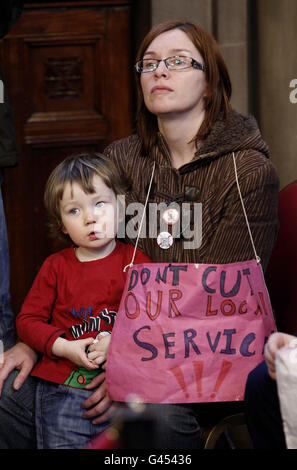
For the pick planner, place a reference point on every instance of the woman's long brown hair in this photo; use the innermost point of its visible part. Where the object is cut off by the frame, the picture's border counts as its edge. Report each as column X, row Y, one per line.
column 219, row 87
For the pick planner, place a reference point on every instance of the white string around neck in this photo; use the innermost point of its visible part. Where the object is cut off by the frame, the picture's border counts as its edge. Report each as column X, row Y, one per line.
column 244, row 211
column 146, row 202
column 142, row 219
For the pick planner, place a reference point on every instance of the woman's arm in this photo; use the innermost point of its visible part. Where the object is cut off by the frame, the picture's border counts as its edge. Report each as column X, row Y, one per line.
column 231, row 241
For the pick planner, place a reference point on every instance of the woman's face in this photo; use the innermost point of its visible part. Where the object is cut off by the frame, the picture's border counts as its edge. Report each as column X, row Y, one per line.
column 173, row 91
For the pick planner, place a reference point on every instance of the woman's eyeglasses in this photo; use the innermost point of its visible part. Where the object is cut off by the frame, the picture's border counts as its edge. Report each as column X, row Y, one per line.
column 176, row 62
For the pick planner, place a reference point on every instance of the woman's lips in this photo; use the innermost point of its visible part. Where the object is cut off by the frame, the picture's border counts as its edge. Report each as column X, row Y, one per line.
column 159, row 90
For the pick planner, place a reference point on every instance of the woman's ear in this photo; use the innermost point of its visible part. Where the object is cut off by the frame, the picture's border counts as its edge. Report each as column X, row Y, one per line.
column 206, row 94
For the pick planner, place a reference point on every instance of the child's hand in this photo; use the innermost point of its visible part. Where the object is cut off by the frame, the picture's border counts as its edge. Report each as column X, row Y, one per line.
column 75, row 351
column 97, row 351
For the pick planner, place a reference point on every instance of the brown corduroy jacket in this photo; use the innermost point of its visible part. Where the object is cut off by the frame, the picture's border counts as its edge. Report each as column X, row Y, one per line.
column 208, row 179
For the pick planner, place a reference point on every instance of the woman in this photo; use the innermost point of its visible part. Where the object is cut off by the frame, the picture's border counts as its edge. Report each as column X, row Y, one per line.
column 187, row 127
column 187, row 132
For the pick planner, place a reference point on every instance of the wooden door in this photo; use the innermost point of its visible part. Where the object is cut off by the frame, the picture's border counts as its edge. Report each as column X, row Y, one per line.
column 68, row 71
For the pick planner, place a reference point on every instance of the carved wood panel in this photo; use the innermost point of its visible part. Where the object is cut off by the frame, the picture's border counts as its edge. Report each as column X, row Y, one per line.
column 68, row 71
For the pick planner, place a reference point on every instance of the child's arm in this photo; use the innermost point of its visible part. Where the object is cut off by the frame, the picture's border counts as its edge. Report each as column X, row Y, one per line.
column 33, row 322
column 97, row 351
column 75, row 351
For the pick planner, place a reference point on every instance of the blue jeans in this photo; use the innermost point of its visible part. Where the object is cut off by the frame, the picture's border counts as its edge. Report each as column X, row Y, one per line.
column 174, row 426
column 17, row 424
column 6, row 314
column 59, row 420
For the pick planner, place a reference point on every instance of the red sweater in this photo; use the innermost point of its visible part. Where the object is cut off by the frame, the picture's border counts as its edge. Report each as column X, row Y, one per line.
column 72, row 299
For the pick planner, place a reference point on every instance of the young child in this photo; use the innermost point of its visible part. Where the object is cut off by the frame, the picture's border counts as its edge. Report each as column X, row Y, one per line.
column 70, row 310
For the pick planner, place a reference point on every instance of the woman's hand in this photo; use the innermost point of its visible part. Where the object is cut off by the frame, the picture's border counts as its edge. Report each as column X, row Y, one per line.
column 101, row 407
column 75, row 351
column 275, row 342
column 20, row 357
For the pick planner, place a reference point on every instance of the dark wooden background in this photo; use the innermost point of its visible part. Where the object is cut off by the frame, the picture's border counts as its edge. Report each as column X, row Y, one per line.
column 69, row 71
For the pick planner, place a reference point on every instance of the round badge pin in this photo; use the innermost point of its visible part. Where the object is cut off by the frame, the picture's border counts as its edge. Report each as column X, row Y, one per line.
column 165, row 240
column 170, row 216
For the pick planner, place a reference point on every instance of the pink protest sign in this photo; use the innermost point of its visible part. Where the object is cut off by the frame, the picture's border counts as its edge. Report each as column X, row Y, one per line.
column 188, row 333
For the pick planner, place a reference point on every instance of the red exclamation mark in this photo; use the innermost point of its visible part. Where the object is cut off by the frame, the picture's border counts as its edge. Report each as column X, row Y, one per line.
column 226, row 366
column 177, row 372
column 198, row 369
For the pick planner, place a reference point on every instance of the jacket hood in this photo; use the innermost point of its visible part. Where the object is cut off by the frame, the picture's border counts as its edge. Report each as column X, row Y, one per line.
column 238, row 132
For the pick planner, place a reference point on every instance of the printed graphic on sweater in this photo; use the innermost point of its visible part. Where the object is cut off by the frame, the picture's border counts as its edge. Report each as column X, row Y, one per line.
column 81, row 377
column 104, row 321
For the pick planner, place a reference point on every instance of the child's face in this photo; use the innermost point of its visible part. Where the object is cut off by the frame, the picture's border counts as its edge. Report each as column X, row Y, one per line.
column 90, row 220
